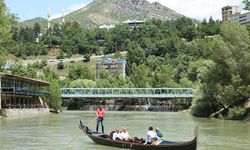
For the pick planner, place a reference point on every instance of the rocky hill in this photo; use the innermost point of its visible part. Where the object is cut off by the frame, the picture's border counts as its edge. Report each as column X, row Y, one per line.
column 101, row 12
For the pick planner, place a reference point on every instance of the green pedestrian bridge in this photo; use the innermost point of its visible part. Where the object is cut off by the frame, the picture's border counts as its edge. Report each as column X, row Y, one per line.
column 127, row 92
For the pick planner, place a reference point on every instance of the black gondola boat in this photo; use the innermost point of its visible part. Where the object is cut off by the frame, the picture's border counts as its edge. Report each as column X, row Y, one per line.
column 103, row 139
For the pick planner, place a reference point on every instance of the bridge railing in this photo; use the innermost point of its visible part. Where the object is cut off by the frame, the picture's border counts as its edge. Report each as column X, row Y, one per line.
column 127, row 92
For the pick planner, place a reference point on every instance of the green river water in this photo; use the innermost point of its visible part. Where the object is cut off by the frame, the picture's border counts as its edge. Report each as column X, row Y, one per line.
column 55, row 131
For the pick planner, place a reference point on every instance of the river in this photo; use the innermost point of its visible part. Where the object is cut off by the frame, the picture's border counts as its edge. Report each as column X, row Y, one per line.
column 55, row 131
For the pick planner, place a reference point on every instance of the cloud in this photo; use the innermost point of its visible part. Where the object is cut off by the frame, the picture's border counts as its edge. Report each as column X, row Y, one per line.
column 69, row 9
column 76, row 7
column 198, row 9
column 54, row 16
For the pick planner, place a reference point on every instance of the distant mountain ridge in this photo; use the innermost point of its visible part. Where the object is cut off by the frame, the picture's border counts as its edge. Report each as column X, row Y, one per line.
column 42, row 21
column 101, row 12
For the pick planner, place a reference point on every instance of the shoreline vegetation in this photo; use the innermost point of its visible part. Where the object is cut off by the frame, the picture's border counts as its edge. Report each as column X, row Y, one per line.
column 210, row 56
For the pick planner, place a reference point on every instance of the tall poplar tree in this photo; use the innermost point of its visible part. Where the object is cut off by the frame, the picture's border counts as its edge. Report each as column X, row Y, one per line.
column 6, row 21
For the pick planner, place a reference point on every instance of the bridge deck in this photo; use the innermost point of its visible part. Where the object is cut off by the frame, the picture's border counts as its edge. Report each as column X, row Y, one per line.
column 127, row 92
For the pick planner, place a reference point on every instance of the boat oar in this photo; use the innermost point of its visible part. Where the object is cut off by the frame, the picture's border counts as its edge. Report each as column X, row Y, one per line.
column 78, row 133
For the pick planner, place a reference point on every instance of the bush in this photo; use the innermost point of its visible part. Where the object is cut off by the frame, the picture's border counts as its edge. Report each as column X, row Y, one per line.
column 98, row 52
column 60, row 66
column 118, row 55
column 28, row 49
column 236, row 113
column 40, row 65
column 87, row 57
column 44, row 63
column 61, row 55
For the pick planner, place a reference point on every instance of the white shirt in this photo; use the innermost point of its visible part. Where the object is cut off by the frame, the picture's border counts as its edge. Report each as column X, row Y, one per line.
column 150, row 135
column 124, row 135
column 116, row 135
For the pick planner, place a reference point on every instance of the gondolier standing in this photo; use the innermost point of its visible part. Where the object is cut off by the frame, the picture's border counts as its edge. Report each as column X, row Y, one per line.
column 100, row 117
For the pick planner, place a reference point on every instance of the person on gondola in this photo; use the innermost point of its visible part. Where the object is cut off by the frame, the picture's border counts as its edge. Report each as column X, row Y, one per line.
column 116, row 135
column 159, row 137
column 158, row 133
column 151, row 135
column 100, row 117
column 125, row 136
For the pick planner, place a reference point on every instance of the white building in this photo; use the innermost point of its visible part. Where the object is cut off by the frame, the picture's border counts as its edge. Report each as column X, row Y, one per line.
column 240, row 18
column 133, row 22
column 107, row 27
column 227, row 11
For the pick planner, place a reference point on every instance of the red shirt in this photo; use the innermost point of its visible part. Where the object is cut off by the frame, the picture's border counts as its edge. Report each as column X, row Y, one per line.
column 100, row 113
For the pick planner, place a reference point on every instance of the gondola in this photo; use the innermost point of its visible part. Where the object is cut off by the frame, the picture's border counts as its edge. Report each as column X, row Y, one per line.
column 104, row 139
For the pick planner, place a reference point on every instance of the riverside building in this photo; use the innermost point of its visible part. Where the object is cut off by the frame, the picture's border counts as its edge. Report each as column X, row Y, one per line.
column 228, row 11
column 240, row 18
column 21, row 96
column 235, row 15
column 114, row 67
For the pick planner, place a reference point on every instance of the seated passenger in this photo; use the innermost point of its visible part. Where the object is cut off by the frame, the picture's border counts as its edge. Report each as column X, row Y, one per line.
column 154, row 141
column 159, row 136
column 158, row 133
column 150, row 135
column 125, row 136
column 112, row 133
column 116, row 135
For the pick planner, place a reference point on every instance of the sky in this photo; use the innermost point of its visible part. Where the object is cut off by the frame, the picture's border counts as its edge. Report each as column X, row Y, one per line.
column 197, row 9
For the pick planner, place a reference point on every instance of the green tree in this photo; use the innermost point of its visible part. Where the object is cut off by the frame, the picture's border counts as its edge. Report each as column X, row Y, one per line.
column 87, row 57
column 248, row 28
column 140, row 76
column 164, row 77
column 39, row 64
column 80, row 71
column 7, row 21
column 51, row 40
column 114, row 82
column 136, row 55
column 209, row 28
column 120, row 34
column 37, row 29
column 3, row 58
column 190, row 33
column 57, row 31
column 27, row 35
column 83, row 83
column 247, row 4
column 55, row 100
column 49, row 75
column 224, row 79
column 28, row 49
column 76, row 40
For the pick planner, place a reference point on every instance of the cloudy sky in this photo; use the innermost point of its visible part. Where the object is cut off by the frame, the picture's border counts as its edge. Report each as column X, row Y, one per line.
column 198, row 9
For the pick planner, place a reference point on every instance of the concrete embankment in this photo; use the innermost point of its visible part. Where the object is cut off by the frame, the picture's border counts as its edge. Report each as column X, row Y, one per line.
column 21, row 113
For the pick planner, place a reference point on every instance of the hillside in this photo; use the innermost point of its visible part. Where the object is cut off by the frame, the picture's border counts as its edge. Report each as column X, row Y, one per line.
column 101, row 12
column 31, row 22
